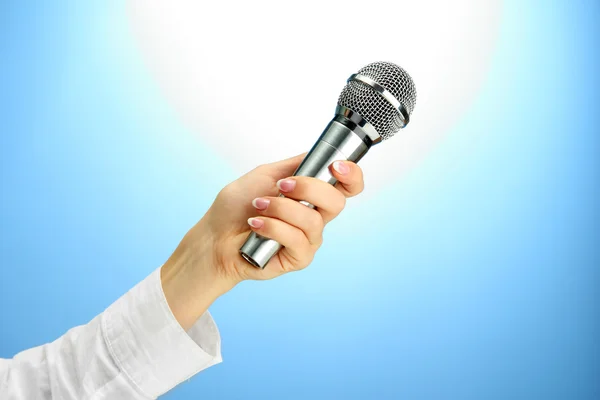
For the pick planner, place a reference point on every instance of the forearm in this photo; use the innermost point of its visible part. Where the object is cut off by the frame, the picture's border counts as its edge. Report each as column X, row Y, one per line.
column 190, row 280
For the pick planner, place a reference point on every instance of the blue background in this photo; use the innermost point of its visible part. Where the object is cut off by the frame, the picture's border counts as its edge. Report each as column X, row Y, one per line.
column 481, row 281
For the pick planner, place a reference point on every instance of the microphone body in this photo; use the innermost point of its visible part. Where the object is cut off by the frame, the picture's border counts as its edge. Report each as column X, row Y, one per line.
column 375, row 104
column 347, row 137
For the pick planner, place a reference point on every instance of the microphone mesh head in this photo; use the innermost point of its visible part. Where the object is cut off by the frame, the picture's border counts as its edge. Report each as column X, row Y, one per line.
column 372, row 106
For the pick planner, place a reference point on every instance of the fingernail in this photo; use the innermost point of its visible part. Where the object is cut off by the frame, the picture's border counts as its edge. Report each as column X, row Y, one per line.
column 260, row 204
column 286, row 185
column 255, row 222
column 341, row 167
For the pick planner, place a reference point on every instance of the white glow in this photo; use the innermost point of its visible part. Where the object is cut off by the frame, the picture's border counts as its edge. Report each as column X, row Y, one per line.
column 259, row 80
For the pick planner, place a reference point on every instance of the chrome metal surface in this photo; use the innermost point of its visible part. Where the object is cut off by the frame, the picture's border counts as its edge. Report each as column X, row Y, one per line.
column 362, row 123
column 386, row 95
column 375, row 103
column 364, row 96
column 395, row 79
column 337, row 142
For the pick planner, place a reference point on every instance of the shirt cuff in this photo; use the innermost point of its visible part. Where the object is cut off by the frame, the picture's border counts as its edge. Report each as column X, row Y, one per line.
column 150, row 346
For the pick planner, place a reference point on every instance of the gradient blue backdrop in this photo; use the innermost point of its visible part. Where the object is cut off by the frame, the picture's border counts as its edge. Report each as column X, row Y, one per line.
column 485, row 280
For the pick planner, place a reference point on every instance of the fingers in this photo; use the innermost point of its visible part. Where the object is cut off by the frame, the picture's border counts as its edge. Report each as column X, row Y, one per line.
column 295, row 226
column 295, row 242
column 328, row 200
column 308, row 220
column 349, row 176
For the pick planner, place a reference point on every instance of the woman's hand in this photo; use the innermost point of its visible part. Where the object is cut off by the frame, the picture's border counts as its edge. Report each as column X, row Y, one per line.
column 207, row 262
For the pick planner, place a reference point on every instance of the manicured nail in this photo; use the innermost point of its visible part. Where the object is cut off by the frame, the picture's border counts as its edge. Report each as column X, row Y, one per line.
column 286, row 185
column 256, row 223
column 341, row 167
column 260, row 204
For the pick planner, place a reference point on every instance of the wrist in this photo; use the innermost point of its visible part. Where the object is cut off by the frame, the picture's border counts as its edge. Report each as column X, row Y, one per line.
column 191, row 282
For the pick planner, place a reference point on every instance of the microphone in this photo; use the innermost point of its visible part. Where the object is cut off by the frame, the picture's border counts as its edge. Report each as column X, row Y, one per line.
column 375, row 104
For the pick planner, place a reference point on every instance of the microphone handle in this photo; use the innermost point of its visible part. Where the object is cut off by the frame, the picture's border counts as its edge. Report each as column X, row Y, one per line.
column 342, row 140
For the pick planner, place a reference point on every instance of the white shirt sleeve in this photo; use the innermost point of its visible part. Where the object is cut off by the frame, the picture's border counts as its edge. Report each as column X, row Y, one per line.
column 135, row 349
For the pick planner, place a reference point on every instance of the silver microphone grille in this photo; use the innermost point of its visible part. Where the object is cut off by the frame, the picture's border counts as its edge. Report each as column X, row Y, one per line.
column 372, row 106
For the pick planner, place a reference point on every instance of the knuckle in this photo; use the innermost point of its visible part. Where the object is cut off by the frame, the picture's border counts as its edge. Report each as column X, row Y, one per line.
column 300, row 238
column 359, row 171
column 309, row 260
column 319, row 241
column 341, row 203
column 307, row 256
column 359, row 188
column 300, row 242
column 316, row 221
column 228, row 191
